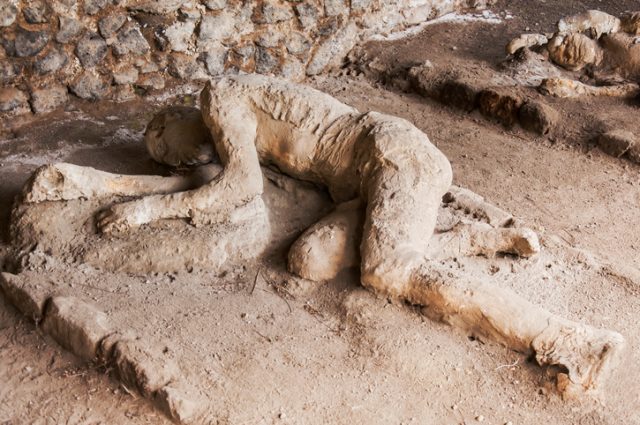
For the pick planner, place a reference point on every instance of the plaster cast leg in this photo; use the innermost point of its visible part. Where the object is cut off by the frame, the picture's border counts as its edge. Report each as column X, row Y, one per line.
column 470, row 303
column 403, row 189
column 403, row 193
column 332, row 244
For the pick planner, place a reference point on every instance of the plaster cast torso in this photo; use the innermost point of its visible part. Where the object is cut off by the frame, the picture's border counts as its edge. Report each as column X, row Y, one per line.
column 304, row 133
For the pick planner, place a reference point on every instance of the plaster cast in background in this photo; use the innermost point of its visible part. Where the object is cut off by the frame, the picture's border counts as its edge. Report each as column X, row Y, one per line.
column 595, row 43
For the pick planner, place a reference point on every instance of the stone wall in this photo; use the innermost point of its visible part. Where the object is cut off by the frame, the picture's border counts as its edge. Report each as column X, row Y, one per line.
column 118, row 49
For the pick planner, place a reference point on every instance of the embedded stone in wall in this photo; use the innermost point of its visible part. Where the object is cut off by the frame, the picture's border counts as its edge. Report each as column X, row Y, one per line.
column 110, row 24
column 190, row 12
column 126, row 75
column 51, row 62
column 35, row 12
column 335, row 7
column 297, row 44
column 214, row 60
column 186, row 67
column 359, row 5
column 215, row 4
column 8, row 71
column 307, row 15
column 242, row 57
column 179, row 35
column 215, row 29
column 49, row 98
column 8, row 12
column 270, row 38
column 90, row 86
column 12, row 99
column 30, row 43
column 123, row 93
column 91, row 50
column 155, row 6
column 64, row 7
column 418, row 14
column 69, row 29
column 328, row 27
column 91, row 7
column 151, row 81
column 266, row 60
column 293, row 69
column 145, row 65
column 131, row 41
column 273, row 12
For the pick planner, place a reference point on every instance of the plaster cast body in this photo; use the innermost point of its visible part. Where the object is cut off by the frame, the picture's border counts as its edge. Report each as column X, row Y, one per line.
column 603, row 45
column 389, row 181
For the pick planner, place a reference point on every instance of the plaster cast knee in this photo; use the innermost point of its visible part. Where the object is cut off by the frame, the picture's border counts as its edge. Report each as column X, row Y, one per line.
column 330, row 245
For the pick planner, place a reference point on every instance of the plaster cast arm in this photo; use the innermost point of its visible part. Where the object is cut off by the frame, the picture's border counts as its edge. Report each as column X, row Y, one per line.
column 239, row 182
column 65, row 182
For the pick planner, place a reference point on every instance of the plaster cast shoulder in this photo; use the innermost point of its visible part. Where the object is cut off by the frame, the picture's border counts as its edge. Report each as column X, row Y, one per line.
column 594, row 21
column 303, row 107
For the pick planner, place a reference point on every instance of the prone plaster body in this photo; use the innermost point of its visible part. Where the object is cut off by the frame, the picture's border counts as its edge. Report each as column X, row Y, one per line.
column 389, row 180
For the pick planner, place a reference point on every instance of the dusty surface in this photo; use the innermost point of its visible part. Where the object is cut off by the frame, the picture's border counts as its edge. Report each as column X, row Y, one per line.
column 336, row 354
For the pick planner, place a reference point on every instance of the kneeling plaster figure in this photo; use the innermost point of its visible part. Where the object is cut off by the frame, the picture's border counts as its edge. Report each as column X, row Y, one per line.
column 388, row 180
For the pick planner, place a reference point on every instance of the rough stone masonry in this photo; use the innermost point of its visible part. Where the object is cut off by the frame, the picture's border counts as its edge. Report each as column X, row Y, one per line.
column 51, row 50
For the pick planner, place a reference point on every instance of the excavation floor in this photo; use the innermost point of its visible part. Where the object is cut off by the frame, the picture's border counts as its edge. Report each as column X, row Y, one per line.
column 334, row 353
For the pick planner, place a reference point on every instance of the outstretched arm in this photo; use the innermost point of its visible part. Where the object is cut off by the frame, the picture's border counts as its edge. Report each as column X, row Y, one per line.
column 65, row 182
column 234, row 132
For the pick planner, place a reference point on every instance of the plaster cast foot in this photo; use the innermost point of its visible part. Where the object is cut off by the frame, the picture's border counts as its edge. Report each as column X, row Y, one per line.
column 476, row 206
column 586, row 353
column 482, row 239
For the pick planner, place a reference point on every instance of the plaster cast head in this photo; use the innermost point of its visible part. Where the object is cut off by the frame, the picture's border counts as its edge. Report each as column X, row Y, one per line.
column 177, row 136
column 574, row 51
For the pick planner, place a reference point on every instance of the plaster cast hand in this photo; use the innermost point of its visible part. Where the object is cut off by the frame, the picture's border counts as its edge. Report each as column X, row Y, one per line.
column 122, row 217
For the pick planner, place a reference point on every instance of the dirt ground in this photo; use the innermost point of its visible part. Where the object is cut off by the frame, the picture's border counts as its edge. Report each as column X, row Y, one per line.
column 333, row 353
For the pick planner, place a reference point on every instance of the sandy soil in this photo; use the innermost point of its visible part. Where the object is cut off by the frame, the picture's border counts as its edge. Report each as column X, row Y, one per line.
column 334, row 353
